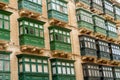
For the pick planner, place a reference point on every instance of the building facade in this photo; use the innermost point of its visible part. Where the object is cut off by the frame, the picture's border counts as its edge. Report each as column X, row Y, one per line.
column 59, row 40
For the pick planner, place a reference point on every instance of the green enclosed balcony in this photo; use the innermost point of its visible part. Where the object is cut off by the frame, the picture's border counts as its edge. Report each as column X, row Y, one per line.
column 108, row 8
column 84, row 19
column 107, row 73
column 32, row 67
column 117, row 13
column 103, row 50
column 30, row 5
column 60, row 39
column 115, row 50
column 5, row 25
column 31, row 32
column 4, row 65
column 99, row 25
column 116, row 72
column 97, row 6
column 4, row 1
column 57, row 9
column 91, row 72
column 87, row 46
column 62, row 69
column 111, row 31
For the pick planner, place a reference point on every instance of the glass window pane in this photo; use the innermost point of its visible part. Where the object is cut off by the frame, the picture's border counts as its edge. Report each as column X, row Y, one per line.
column 1, row 24
column 6, row 25
column 27, row 59
column 72, row 71
column 1, row 65
column 33, row 68
column 33, row 60
column 64, row 70
column 21, row 68
column 59, row 70
column 6, row 17
column 54, row 70
column 68, row 70
column 41, row 33
column 45, row 69
column 6, row 65
column 27, row 67
column 39, row 68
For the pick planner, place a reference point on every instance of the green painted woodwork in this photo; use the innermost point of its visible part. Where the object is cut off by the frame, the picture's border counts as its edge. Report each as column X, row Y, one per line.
column 62, row 69
column 84, row 1
column 84, row 19
column 117, row 12
column 115, row 51
column 35, row 6
column 103, row 50
column 116, row 72
column 91, row 71
column 31, row 32
column 4, row 1
column 107, row 73
column 87, row 46
column 4, row 65
column 99, row 25
column 5, row 25
column 108, row 8
column 111, row 31
column 60, row 13
column 33, row 67
column 60, row 39
column 97, row 4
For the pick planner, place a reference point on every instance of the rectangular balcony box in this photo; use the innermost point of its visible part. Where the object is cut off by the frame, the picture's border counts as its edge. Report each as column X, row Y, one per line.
column 99, row 25
column 116, row 72
column 84, row 19
column 108, row 8
column 32, row 67
column 62, row 69
column 97, row 6
column 107, row 73
column 111, row 30
column 115, row 52
column 31, row 32
column 103, row 50
column 60, row 13
column 87, row 46
column 5, row 25
column 91, row 71
column 29, row 5
column 117, row 13
column 60, row 39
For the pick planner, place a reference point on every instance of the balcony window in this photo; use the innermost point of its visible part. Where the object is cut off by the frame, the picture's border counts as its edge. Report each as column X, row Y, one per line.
column 91, row 71
column 58, row 9
column 4, row 66
column 117, row 73
column 31, row 5
column 87, row 45
column 115, row 52
column 108, row 8
column 112, row 31
column 84, row 19
column 60, row 36
column 117, row 12
column 103, row 49
column 33, row 65
column 32, row 30
column 62, row 68
column 107, row 73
